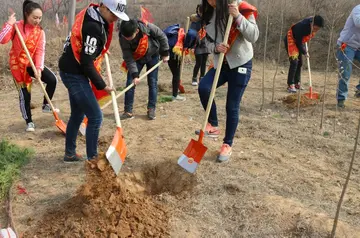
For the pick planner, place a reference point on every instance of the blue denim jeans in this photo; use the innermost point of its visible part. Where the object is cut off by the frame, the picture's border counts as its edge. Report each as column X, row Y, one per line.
column 345, row 68
column 152, row 80
column 82, row 102
column 237, row 80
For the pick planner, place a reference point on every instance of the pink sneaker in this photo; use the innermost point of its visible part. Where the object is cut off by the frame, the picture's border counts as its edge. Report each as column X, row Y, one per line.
column 291, row 88
column 225, row 153
column 210, row 131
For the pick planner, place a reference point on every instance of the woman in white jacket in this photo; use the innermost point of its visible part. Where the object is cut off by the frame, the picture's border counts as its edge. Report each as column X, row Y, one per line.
column 237, row 66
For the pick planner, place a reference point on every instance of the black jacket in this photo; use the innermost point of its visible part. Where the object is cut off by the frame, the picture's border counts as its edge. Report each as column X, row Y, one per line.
column 158, row 44
column 300, row 30
column 94, row 33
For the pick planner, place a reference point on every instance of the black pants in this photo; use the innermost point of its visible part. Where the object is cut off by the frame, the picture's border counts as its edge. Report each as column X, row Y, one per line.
column 47, row 77
column 201, row 60
column 174, row 65
column 294, row 75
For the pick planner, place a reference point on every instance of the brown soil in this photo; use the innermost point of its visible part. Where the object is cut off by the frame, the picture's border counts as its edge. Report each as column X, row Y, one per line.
column 284, row 177
column 291, row 101
column 106, row 206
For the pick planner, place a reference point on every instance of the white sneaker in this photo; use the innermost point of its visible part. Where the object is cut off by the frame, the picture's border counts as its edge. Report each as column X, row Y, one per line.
column 47, row 109
column 30, row 127
column 179, row 98
column 194, row 83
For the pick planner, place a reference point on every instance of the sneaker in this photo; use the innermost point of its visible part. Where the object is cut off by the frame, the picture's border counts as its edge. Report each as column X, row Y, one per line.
column 341, row 104
column 73, row 158
column 357, row 93
column 47, row 109
column 225, row 153
column 151, row 114
column 194, row 82
column 210, row 131
column 179, row 98
column 127, row 115
column 291, row 88
column 298, row 87
column 30, row 127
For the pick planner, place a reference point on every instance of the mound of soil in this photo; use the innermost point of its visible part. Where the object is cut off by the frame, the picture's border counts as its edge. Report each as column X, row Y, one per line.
column 291, row 101
column 106, row 206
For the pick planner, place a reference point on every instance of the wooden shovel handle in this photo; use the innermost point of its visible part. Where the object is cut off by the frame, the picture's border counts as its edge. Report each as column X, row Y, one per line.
column 183, row 52
column 132, row 85
column 217, row 73
column 308, row 63
column 113, row 96
column 34, row 69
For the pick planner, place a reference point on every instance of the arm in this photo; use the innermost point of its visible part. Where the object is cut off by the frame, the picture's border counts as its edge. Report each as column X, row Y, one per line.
column 299, row 31
column 128, row 57
column 248, row 28
column 356, row 16
column 92, row 46
column 160, row 36
column 39, row 55
column 7, row 33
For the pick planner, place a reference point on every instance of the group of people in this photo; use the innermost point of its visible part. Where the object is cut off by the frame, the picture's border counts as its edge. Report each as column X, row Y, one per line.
column 348, row 45
column 145, row 44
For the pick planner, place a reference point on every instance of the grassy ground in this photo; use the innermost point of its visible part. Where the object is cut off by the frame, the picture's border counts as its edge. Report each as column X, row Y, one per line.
column 12, row 159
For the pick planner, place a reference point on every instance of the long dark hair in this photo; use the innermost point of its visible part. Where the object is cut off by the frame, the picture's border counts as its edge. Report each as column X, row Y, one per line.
column 222, row 15
column 28, row 7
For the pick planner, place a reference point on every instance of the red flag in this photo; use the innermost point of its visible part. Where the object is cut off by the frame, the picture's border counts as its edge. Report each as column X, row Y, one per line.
column 146, row 15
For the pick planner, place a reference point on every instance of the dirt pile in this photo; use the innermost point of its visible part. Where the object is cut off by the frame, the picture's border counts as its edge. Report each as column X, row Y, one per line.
column 106, row 206
column 291, row 101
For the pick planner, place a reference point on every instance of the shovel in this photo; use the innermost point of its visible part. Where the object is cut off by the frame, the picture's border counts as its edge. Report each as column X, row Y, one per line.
column 58, row 122
column 310, row 94
column 84, row 123
column 181, row 87
column 116, row 153
column 195, row 151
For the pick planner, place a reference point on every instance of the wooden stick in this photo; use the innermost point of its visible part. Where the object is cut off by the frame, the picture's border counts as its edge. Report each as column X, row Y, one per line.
column 264, row 63
column 217, row 74
column 283, row 6
column 346, row 184
column 132, row 85
column 326, row 78
column 113, row 96
column 183, row 52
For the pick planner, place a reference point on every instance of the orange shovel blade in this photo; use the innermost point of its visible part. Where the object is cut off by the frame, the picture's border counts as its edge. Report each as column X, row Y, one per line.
column 181, row 87
column 61, row 125
column 116, row 153
column 192, row 156
column 312, row 95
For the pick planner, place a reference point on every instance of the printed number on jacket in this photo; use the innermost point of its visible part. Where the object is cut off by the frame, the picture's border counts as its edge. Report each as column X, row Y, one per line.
column 90, row 45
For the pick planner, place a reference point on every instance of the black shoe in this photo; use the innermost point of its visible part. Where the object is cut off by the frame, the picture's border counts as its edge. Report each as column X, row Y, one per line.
column 341, row 104
column 151, row 114
column 72, row 159
column 127, row 115
column 357, row 93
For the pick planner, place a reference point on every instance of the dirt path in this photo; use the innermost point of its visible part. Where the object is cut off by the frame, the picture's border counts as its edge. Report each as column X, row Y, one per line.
column 284, row 178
